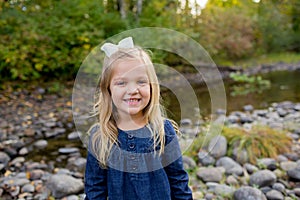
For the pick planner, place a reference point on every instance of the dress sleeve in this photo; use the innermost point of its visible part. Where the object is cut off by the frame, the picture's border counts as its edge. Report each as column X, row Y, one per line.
column 95, row 180
column 172, row 160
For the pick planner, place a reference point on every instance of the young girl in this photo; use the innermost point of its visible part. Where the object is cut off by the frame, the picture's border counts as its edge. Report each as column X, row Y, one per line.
column 133, row 152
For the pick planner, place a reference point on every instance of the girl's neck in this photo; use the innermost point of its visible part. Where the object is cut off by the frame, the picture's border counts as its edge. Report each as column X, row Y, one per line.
column 131, row 123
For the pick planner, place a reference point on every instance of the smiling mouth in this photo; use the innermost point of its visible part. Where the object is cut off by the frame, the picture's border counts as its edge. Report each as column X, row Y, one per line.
column 132, row 101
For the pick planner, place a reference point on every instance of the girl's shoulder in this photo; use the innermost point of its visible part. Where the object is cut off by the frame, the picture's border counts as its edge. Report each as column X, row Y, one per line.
column 171, row 127
column 93, row 129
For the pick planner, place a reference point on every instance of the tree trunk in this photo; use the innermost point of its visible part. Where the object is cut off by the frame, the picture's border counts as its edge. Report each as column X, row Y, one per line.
column 122, row 8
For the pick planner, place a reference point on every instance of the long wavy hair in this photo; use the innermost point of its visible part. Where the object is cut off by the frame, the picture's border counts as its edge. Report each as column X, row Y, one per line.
column 106, row 135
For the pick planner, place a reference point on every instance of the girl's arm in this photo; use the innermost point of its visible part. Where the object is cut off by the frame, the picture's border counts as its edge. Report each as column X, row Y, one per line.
column 95, row 179
column 178, row 177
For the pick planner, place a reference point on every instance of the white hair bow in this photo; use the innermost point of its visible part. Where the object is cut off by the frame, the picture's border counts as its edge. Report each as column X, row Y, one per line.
column 110, row 48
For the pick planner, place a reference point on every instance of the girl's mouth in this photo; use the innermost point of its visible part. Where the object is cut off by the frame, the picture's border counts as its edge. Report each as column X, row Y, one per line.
column 132, row 101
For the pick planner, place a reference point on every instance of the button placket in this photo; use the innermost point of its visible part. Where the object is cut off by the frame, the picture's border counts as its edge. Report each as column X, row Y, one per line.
column 131, row 148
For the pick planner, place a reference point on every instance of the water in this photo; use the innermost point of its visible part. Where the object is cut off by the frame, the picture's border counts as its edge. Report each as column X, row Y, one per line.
column 285, row 86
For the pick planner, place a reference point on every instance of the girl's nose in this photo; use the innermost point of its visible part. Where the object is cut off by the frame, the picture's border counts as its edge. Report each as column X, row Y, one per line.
column 133, row 89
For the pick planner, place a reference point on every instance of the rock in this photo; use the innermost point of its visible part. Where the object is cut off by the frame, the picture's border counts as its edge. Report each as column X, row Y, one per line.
column 223, row 190
column 268, row 163
column 248, row 193
column 36, row 174
column 240, row 155
column 62, row 185
column 231, row 180
column 41, row 144
column 288, row 165
column 188, row 162
column 210, row 174
column 74, row 135
column 250, row 168
column 279, row 187
column 248, row 108
column 231, row 167
column 274, row 195
column 23, row 151
column 4, row 158
column 205, row 159
column 27, row 188
column 68, row 150
column 217, row 146
column 262, row 178
column 294, row 173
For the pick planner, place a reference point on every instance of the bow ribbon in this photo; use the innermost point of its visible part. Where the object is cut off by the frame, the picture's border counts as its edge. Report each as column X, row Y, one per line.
column 110, row 48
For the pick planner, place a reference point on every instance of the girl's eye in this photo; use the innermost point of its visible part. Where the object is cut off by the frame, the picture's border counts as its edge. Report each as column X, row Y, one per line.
column 120, row 83
column 142, row 82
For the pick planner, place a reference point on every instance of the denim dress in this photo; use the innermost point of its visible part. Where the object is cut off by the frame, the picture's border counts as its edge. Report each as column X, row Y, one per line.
column 136, row 172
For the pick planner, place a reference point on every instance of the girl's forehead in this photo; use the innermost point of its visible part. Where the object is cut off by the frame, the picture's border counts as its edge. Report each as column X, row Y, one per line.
column 129, row 66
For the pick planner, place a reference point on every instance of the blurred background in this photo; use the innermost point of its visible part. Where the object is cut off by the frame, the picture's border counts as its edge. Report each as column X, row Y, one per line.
column 49, row 39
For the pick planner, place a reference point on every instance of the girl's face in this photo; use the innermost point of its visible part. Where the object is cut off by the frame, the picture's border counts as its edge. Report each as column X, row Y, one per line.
column 130, row 88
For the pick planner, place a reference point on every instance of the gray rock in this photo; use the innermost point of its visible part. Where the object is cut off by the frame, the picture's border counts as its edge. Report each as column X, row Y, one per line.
column 248, row 108
column 62, row 185
column 68, row 150
column 250, row 168
column 205, row 159
column 74, row 135
column 288, row 165
column 262, row 178
column 231, row 167
column 188, row 162
column 240, row 155
column 217, row 146
column 279, row 187
column 41, row 144
column 294, row 173
column 268, row 163
column 4, row 158
column 248, row 193
column 210, row 174
column 224, row 190
column 274, row 195
column 27, row 188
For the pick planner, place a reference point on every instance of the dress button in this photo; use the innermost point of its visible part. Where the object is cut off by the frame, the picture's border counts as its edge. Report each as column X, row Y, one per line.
column 132, row 157
column 131, row 146
column 130, row 136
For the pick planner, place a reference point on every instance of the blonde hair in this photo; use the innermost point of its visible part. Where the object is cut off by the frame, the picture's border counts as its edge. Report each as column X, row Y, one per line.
column 106, row 135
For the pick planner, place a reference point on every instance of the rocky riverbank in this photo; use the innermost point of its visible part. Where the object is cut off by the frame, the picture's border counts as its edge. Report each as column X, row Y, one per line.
column 31, row 119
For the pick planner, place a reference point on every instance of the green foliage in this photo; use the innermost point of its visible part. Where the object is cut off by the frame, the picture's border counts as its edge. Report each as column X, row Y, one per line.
column 259, row 142
column 248, row 84
column 51, row 38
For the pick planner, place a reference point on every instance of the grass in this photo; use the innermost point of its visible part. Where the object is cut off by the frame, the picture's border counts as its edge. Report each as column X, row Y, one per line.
column 286, row 57
column 259, row 142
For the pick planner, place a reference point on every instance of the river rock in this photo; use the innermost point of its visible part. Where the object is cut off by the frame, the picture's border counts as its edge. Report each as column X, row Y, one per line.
column 4, row 158
column 268, row 163
column 210, row 174
column 274, row 195
column 188, row 162
column 62, row 185
column 217, row 146
column 231, row 167
column 262, row 178
column 41, row 144
column 288, row 165
column 205, row 159
column 68, row 150
column 294, row 173
column 248, row 193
